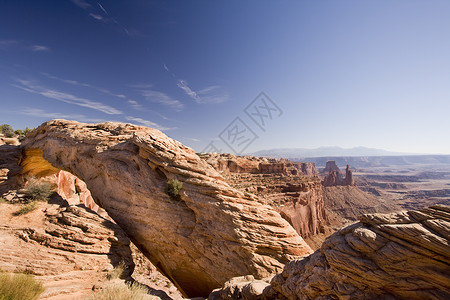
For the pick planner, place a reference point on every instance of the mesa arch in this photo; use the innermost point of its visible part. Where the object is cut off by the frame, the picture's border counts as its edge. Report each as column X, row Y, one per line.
column 211, row 234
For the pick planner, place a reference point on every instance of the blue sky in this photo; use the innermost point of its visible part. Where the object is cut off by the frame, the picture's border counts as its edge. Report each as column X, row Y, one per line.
column 333, row 73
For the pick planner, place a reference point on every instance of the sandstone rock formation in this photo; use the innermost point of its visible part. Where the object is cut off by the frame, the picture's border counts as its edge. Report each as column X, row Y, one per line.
column 75, row 191
column 212, row 233
column 404, row 255
column 330, row 166
column 334, row 179
column 10, row 170
column 291, row 188
column 230, row 163
column 67, row 247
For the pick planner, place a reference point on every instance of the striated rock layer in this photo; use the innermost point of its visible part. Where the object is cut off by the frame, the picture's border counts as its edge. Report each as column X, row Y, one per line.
column 404, row 255
column 210, row 234
column 229, row 163
column 291, row 188
column 67, row 247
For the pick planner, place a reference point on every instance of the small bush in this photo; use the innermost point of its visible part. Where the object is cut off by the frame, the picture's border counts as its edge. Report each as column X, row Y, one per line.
column 117, row 272
column 121, row 291
column 19, row 286
column 40, row 191
column 26, row 209
column 173, row 189
column 7, row 130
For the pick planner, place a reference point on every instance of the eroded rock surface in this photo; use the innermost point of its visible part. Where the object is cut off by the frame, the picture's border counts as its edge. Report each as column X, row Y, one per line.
column 10, row 170
column 404, row 255
column 69, row 248
column 291, row 188
column 334, row 178
column 229, row 163
column 212, row 233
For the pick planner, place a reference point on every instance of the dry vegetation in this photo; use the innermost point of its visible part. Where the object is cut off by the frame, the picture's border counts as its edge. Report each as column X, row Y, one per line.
column 19, row 287
column 36, row 190
column 117, row 289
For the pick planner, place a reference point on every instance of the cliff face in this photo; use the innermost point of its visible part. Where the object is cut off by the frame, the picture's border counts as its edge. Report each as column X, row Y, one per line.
column 306, row 211
column 229, row 163
column 211, row 233
column 402, row 255
column 291, row 188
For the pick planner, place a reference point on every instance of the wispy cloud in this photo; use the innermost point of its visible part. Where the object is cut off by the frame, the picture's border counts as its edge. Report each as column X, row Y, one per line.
column 37, row 112
column 147, row 123
column 161, row 98
column 209, row 94
column 97, row 17
column 103, row 9
column 16, row 44
column 39, row 48
column 134, row 104
column 77, row 83
column 65, row 97
column 81, row 3
column 99, row 13
column 182, row 84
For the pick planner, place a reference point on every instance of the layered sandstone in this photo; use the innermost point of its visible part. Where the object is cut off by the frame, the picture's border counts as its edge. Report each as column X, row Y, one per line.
column 210, row 234
column 334, row 178
column 69, row 248
column 229, row 163
column 404, row 255
column 291, row 188
column 331, row 166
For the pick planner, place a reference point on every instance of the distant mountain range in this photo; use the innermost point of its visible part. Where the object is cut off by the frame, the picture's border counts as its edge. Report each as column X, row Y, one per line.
column 358, row 157
column 326, row 151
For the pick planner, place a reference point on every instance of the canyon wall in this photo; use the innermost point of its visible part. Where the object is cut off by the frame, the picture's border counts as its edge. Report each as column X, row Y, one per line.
column 230, row 163
column 291, row 188
column 210, row 233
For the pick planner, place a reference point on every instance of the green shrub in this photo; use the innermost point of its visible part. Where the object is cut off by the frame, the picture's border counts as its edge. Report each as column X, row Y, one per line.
column 36, row 190
column 120, row 291
column 7, row 130
column 173, row 189
column 26, row 209
column 19, row 287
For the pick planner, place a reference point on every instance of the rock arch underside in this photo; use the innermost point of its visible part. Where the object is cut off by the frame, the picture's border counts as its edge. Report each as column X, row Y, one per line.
column 209, row 235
